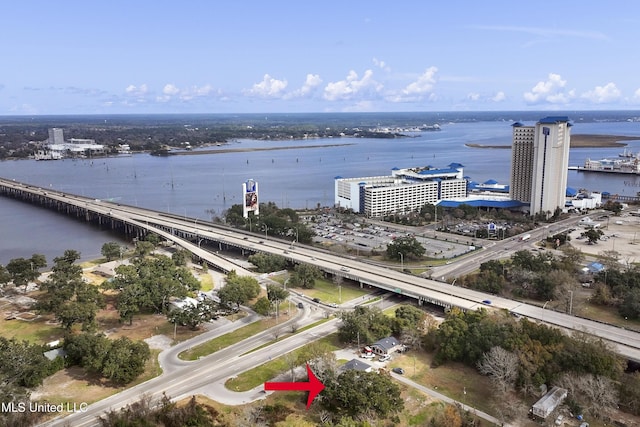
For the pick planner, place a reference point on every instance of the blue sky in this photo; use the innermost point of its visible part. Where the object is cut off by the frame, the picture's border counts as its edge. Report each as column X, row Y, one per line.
column 139, row 56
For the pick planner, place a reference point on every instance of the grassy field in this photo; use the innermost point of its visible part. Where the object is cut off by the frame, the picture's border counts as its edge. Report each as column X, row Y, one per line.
column 258, row 375
column 75, row 385
column 38, row 331
column 231, row 338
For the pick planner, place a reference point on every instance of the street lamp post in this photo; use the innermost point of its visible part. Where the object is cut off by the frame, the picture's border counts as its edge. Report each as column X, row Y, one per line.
column 265, row 230
column 543, row 307
column 451, row 293
column 570, row 302
column 401, row 261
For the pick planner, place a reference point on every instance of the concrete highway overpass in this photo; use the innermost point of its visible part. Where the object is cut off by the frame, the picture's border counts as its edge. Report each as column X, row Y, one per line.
column 184, row 231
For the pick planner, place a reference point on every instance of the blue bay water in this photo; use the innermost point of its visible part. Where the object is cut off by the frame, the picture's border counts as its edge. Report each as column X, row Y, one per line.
column 195, row 185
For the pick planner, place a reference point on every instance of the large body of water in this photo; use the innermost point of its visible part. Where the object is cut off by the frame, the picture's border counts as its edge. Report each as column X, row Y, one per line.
column 198, row 184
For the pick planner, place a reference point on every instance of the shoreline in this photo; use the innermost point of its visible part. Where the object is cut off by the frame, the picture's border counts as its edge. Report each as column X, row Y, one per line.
column 244, row 150
column 579, row 141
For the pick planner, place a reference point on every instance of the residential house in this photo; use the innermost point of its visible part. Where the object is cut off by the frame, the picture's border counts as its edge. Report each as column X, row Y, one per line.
column 386, row 345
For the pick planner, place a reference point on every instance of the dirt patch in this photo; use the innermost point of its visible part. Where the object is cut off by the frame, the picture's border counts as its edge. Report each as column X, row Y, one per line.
column 73, row 385
column 621, row 234
column 159, row 342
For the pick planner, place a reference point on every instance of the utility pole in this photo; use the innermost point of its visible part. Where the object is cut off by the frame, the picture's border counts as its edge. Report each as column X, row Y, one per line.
column 570, row 302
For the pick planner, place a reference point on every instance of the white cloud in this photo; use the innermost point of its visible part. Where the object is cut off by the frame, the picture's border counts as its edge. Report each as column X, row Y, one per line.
column 381, row 64
column 137, row 90
column 197, row 92
column 424, row 84
column 267, row 88
column 603, row 94
column 636, row 95
column 499, row 97
column 476, row 97
column 312, row 81
column 359, row 107
column 551, row 91
column 352, row 87
column 473, row 96
column 170, row 90
column 417, row 90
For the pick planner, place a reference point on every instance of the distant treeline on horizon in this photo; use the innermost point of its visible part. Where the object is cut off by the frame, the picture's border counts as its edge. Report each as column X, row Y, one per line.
column 334, row 119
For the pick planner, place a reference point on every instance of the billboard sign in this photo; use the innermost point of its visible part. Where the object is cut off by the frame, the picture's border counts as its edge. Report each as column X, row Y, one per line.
column 250, row 196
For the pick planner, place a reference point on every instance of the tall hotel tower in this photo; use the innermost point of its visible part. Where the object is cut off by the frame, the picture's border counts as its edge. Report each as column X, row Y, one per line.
column 539, row 163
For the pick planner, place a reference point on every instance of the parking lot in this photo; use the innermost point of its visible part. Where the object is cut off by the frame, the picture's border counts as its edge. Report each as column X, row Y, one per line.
column 367, row 238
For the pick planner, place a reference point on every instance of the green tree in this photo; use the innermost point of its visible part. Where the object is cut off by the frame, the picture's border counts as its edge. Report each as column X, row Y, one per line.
column 68, row 296
column 5, row 277
column 111, row 250
column 592, row 235
column 629, row 392
column 25, row 270
column 410, row 325
column 266, row 263
column 356, row 393
column 193, row 316
column 149, row 284
column 630, row 305
column 408, row 246
column 276, row 292
column 180, row 257
column 365, row 325
column 238, row 290
column 613, row 206
column 305, row 276
column 125, row 360
column 87, row 350
column 262, row 306
column 143, row 248
column 495, row 266
column 23, row 364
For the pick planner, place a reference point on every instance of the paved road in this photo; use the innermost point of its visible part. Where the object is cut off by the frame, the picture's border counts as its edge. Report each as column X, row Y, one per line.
column 181, row 229
column 182, row 379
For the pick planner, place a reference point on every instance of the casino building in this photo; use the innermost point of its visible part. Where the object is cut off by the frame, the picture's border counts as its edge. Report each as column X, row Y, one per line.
column 403, row 191
column 539, row 164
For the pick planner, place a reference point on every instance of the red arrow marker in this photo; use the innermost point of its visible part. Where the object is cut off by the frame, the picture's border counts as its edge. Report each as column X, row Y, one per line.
column 313, row 386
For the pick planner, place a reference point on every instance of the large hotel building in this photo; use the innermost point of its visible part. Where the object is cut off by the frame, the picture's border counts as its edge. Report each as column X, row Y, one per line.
column 539, row 164
column 403, row 191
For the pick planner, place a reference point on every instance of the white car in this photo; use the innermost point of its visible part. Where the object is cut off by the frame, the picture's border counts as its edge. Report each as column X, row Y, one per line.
column 385, row 358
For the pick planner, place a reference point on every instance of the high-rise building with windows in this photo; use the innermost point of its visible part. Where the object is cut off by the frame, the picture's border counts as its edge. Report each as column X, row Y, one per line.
column 539, row 164
column 56, row 136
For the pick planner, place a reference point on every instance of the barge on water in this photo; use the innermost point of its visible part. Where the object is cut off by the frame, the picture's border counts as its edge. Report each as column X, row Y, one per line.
column 620, row 165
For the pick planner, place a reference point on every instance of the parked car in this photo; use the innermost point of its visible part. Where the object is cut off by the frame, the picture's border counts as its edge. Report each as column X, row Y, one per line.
column 368, row 355
column 398, row 371
column 300, row 305
column 385, row 358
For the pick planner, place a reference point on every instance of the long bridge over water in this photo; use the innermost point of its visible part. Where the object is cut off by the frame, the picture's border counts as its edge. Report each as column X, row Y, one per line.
column 189, row 233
